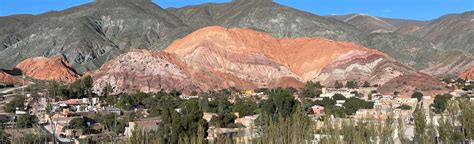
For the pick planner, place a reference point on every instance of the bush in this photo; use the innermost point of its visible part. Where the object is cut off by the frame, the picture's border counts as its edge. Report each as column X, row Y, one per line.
column 338, row 97
column 417, row 95
column 404, row 107
column 25, row 121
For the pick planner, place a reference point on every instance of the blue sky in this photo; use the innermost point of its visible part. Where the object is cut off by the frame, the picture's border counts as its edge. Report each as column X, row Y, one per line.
column 411, row 9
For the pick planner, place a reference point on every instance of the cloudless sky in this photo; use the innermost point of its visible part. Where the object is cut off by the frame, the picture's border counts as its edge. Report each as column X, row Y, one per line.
column 409, row 9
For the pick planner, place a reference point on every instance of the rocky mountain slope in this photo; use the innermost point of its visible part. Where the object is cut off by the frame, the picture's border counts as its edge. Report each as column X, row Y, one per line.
column 6, row 78
column 392, row 21
column 467, row 74
column 369, row 24
column 217, row 57
column 452, row 64
column 281, row 21
column 451, row 32
column 267, row 16
column 90, row 34
column 42, row 68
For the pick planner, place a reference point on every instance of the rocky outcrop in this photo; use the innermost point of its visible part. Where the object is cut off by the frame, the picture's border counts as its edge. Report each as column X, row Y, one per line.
column 452, row 64
column 90, row 34
column 451, row 32
column 217, row 57
column 42, row 68
column 302, row 58
column 267, row 16
column 467, row 74
column 6, row 78
column 369, row 24
column 407, row 84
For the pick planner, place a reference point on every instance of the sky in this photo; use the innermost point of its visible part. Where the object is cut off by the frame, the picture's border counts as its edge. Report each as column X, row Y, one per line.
column 407, row 9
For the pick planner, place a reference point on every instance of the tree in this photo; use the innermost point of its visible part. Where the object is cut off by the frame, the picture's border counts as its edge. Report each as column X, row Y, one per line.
column 32, row 139
column 338, row 97
column 280, row 102
column 79, row 123
column 187, row 123
column 338, row 85
column 353, row 104
column 404, row 107
column 352, row 84
column 106, row 90
column 245, row 107
column 312, row 89
column 366, row 84
column 225, row 121
column 17, row 102
column 440, row 103
column 4, row 137
column 326, row 102
column 420, row 125
column 417, row 95
column 25, row 121
column 112, row 122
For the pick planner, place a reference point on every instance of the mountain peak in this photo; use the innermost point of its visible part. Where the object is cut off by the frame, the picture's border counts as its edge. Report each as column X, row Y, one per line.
column 252, row 1
column 121, row 1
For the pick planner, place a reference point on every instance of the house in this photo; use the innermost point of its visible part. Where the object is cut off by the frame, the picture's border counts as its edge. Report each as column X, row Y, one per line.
column 186, row 97
column 247, row 121
column 208, row 116
column 371, row 114
column 145, row 125
column 318, row 110
column 112, row 110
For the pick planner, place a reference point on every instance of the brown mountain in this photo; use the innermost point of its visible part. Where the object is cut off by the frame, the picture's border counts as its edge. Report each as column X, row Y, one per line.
column 42, row 68
column 451, row 32
column 369, row 24
column 467, row 74
column 217, row 57
column 89, row 34
column 6, row 78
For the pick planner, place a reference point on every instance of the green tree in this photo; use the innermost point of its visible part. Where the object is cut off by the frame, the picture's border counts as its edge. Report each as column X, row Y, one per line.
column 366, row 84
column 312, row 89
column 353, row 104
column 187, row 123
column 352, row 84
column 112, row 122
column 225, row 121
column 17, row 102
column 79, row 123
column 107, row 90
column 25, row 121
column 280, row 103
column 325, row 102
column 245, row 107
column 338, row 85
column 404, row 107
column 4, row 137
column 417, row 95
column 420, row 125
column 32, row 139
column 440, row 103
column 338, row 97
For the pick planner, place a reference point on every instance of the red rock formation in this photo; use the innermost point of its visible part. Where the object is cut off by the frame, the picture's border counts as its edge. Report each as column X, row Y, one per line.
column 467, row 74
column 246, row 52
column 42, row 68
column 216, row 57
column 407, row 84
column 6, row 78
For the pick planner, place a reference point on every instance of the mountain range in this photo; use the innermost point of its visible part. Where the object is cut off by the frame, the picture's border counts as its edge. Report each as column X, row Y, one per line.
column 97, row 38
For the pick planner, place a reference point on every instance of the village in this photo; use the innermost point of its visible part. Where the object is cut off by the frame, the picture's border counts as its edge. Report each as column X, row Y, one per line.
column 75, row 120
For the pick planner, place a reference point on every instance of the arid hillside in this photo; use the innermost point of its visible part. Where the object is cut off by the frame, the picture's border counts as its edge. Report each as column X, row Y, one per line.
column 42, row 68
column 217, row 57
